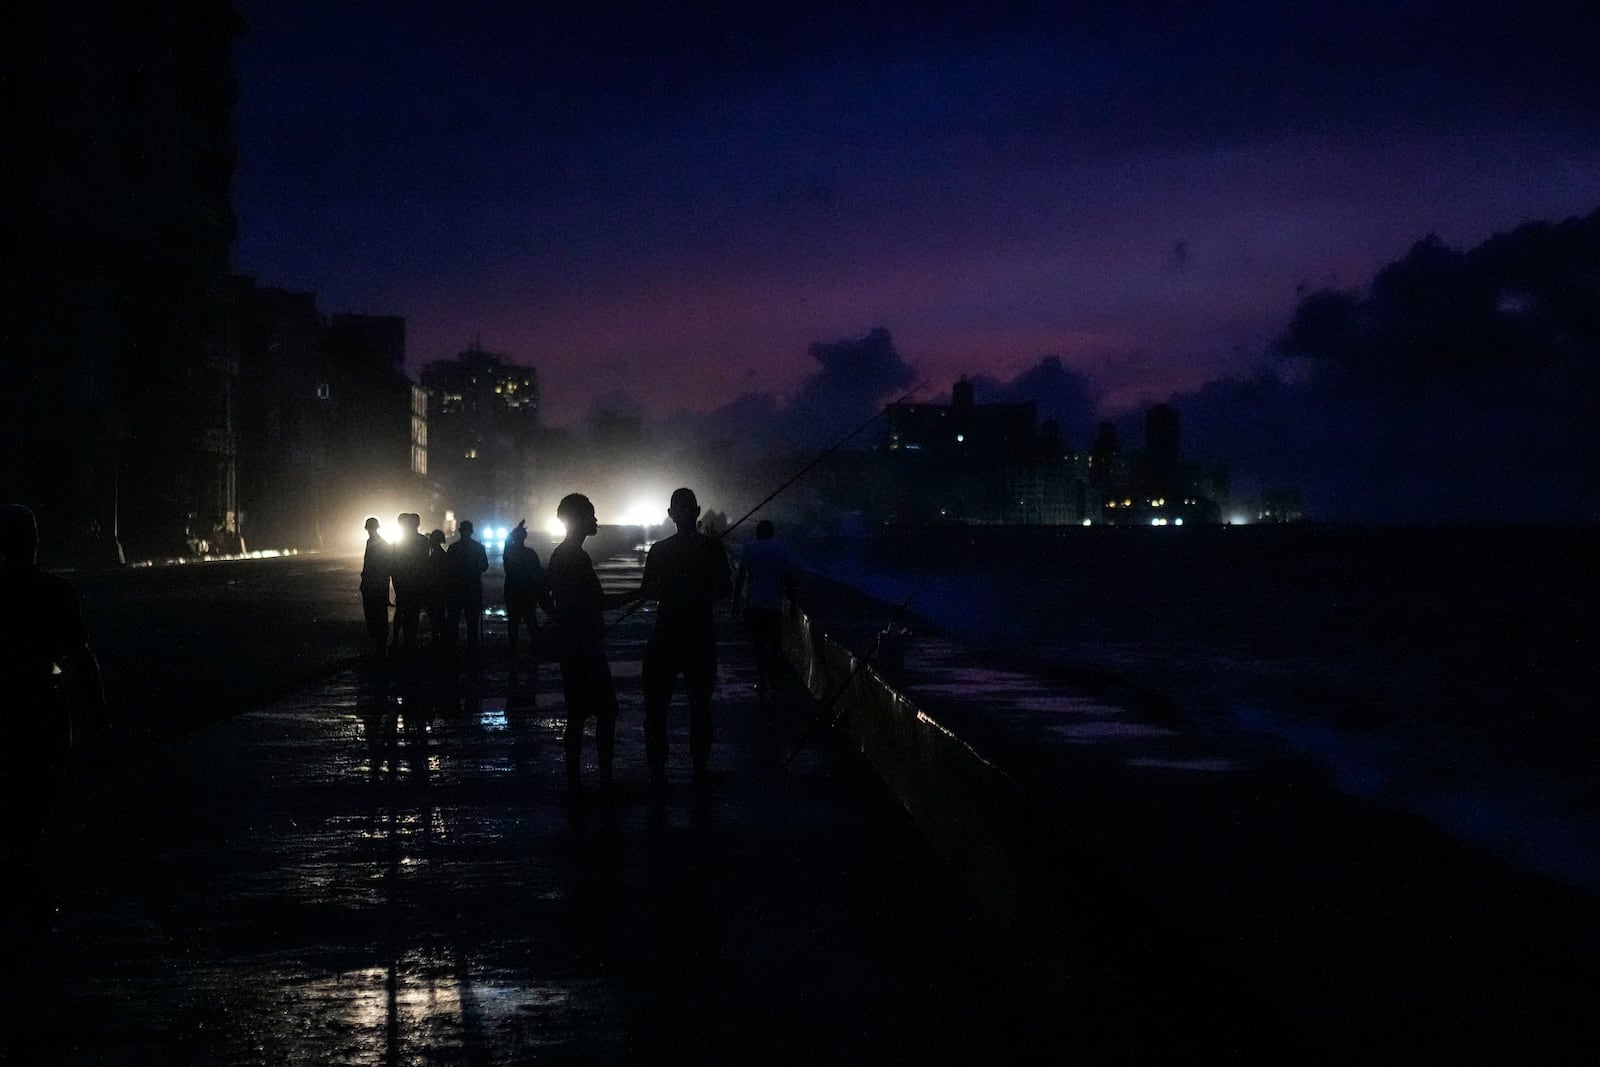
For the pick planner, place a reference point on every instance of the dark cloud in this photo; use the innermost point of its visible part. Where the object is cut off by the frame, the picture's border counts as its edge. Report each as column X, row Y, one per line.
column 852, row 381
column 1058, row 391
column 1459, row 386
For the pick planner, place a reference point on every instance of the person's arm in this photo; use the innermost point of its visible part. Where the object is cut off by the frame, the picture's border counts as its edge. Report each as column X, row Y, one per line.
column 541, row 584
column 650, row 584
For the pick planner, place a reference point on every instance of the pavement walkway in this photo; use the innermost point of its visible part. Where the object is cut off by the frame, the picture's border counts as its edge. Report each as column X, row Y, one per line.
column 383, row 868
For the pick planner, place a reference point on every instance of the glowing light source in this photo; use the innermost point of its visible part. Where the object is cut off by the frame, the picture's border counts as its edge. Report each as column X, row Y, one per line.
column 555, row 527
column 642, row 513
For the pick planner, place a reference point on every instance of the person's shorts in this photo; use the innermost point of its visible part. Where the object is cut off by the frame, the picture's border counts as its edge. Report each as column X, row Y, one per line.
column 764, row 625
column 587, row 686
column 663, row 663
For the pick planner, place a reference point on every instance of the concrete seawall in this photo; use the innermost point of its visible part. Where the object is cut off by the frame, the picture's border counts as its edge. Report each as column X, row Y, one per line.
column 1179, row 898
column 1095, row 954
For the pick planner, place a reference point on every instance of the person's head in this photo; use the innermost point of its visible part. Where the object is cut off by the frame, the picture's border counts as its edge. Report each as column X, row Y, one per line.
column 576, row 513
column 519, row 533
column 764, row 530
column 411, row 521
column 372, row 527
column 684, row 509
column 19, row 534
column 437, row 537
column 466, row 529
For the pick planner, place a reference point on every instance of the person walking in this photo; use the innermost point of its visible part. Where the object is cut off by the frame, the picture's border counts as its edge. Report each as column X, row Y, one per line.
column 376, row 565
column 578, row 600
column 468, row 560
column 685, row 574
column 763, row 580
column 526, row 588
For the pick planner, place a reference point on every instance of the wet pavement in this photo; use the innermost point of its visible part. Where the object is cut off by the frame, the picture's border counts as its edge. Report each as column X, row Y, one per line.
column 383, row 867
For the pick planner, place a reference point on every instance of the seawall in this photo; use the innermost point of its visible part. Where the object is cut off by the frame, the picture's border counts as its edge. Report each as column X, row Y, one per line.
column 1198, row 900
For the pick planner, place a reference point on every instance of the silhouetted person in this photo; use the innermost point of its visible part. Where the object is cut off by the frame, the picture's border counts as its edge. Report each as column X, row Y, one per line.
column 467, row 560
column 43, row 648
column 763, row 581
column 526, row 587
column 375, row 569
column 436, row 583
column 686, row 574
column 409, row 557
column 585, row 675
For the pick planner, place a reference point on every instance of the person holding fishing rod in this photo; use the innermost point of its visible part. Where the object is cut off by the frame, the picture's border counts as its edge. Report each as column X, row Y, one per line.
column 685, row 574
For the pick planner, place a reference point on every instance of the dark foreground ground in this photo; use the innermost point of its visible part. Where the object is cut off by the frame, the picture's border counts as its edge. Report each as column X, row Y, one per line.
column 383, row 868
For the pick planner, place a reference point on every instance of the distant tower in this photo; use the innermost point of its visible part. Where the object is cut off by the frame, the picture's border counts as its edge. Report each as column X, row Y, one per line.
column 1161, row 451
column 961, row 395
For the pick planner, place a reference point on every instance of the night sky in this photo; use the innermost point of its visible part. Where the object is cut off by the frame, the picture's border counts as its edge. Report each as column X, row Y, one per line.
column 677, row 207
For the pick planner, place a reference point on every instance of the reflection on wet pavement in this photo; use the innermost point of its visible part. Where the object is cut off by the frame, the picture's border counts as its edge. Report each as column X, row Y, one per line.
column 384, row 869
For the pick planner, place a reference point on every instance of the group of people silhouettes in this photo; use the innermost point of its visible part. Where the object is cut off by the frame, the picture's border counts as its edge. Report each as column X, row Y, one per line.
column 446, row 582
column 684, row 574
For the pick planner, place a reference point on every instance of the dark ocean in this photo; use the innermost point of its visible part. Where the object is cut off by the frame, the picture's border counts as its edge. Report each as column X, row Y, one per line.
column 1451, row 673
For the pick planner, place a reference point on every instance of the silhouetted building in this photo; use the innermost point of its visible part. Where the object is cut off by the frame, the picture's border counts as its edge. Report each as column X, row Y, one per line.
column 328, row 419
column 965, row 431
column 116, row 393
column 483, row 430
column 1154, row 487
column 966, row 462
column 285, row 411
column 1280, row 505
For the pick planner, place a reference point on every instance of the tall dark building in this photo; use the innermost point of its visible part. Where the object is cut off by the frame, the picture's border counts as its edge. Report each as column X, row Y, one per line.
column 285, row 414
column 116, row 387
column 329, row 424
column 966, row 462
column 1162, row 471
column 483, row 428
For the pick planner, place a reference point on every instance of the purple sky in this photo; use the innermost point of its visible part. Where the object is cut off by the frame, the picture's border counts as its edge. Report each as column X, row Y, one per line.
column 678, row 206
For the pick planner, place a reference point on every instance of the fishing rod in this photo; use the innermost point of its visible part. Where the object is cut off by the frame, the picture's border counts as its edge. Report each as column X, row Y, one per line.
column 801, row 473
column 828, row 452
column 860, row 665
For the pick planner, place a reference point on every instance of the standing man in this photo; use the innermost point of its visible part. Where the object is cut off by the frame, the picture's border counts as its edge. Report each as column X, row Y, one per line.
column 686, row 574
column 526, row 587
column 436, row 589
column 763, row 581
column 410, row 561
column 375, row 568
column 585, row 674
column 468, row 560
column 42, row 643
